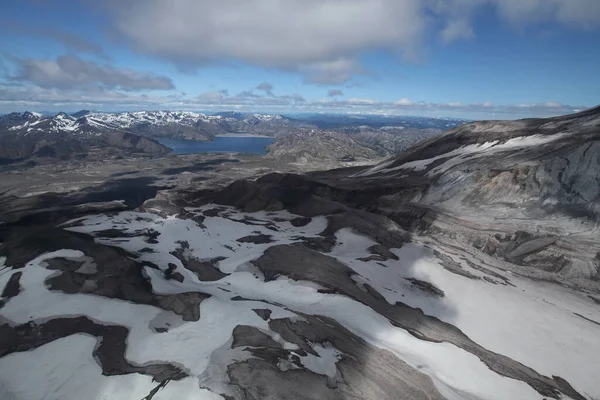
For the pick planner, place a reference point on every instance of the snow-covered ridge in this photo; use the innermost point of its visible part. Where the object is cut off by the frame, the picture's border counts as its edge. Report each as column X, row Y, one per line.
column 465, row 153
column 98, row 121
column 267, row 117
column 129, row 119
column 61, row 122
column 31, row 115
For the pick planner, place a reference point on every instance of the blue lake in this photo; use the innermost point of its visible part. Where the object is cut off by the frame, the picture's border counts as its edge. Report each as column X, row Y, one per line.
column 228, row 144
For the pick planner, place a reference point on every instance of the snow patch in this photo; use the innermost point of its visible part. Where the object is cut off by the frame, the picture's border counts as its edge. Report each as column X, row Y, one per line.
column 547, row 337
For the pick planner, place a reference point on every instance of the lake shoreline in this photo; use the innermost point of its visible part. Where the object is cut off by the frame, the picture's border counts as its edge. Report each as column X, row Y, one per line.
column 250, row 144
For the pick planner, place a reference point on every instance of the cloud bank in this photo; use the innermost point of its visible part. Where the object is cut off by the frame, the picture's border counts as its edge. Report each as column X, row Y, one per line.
column 320, row 39
column 71, row 72
column 16, row 98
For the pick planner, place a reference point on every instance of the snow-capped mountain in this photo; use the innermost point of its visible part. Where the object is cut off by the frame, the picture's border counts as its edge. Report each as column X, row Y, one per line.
column 160, row 118
column 27, row 122
column 175, row 124
column 17, row 118
column 26, row 135
column 96, row 121
column 198, row 126
column 372, row 139
column 22, row 135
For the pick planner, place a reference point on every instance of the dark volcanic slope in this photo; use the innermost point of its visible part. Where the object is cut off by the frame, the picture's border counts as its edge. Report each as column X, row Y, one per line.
column 60, row 146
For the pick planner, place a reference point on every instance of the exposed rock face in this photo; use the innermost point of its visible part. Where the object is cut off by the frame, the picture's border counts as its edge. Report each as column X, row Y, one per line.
column 16, row 118
column 495, row 176
column 389, row 140
column 550, row 163
column 315, row 145
column 379, row 376
column 110, row 351
column 134, row 142
column 12, row 287
column 116, row 275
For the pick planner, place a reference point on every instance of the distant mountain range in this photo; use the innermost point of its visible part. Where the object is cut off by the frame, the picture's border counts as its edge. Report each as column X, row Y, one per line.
column 174, row 124
column 85, row 133
column 336, row 121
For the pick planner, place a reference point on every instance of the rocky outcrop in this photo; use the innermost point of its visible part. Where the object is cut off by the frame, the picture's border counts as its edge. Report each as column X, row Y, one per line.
column 363, row 372
column 389, row 140
column 110, row 351
column 310, row 146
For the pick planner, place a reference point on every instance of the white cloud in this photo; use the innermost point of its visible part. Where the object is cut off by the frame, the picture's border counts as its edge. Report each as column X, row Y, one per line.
column 331, row 72
column 249, row 98
column 320, row 39
column 404, row 102
column 247, row 94
column 20, row 98
column 68, row 72
column 552, row 104
column 294, row 98
column 363, row 102
column 73, row 42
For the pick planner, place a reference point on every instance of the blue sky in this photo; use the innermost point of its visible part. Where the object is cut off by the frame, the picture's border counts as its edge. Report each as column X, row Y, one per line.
column 463, row 58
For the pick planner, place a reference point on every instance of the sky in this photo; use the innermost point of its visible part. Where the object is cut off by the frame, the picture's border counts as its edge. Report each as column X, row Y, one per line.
column 475, row 59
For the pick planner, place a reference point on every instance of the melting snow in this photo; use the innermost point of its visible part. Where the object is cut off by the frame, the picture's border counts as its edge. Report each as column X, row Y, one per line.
column 497, row 319
column 547, row 337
